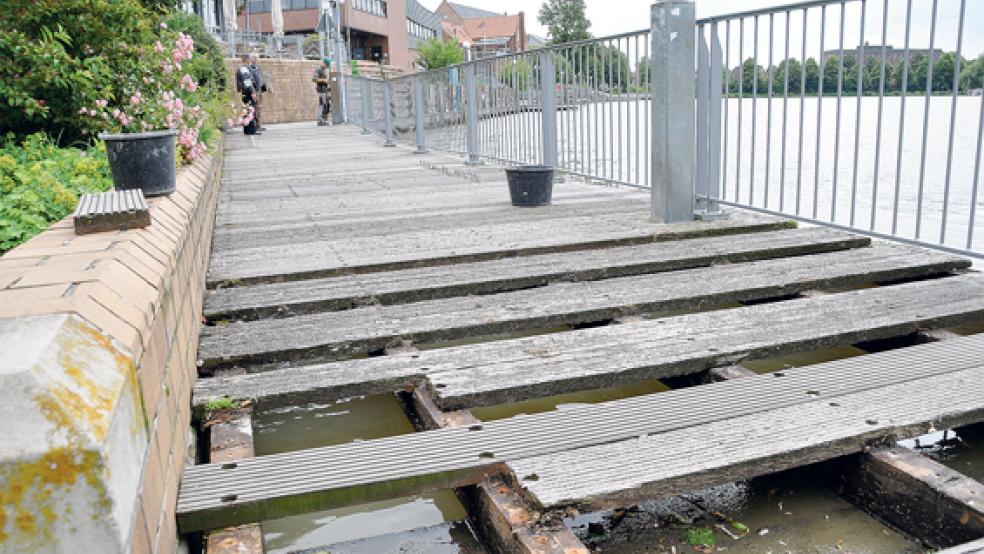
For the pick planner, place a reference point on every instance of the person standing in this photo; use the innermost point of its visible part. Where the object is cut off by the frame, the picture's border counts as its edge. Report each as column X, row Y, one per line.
column 246, row 86
column 322, row 86
column 261, row 86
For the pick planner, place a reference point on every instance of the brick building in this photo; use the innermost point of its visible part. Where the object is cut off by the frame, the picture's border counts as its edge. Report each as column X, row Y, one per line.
column 488, row 34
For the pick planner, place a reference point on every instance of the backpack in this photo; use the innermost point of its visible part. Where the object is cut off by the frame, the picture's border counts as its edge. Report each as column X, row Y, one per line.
column 246, row 80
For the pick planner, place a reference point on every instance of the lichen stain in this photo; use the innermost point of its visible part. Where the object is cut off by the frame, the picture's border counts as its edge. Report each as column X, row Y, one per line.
column 28, row 493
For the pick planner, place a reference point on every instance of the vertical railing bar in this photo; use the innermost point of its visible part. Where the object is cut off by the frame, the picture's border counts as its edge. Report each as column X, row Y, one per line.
column 953, row 122
column 977, row 175
column 905, row 85
column 857, row 119
column 703, row 88
column 618, row 69
column 727, row 101
column 837, row 125
column 610, row 129
column 751, row 167
column 878, row 125
column 599, row 111
column 581, row 108
column 802, row 114
column 713, row 207
column 647, row 159
column 741, row 90
column 816, row 162
column 785, row 113
column 635, row 110
column 925, row 137
column 768, row 110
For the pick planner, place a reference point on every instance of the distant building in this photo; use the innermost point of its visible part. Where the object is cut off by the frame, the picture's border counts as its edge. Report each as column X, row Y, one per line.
column 387, row 31
column 892, row 55
column 533, row 42
column 487, row 34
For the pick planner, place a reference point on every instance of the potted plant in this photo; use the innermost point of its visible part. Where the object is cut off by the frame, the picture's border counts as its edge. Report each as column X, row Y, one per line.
column 155, row 123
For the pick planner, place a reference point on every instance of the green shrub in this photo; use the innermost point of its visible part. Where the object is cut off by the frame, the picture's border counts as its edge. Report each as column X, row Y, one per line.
column 40, row 183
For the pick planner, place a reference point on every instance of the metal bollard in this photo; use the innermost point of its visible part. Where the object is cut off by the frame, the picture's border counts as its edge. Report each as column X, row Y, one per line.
column 548, row 101
column 673, row 115
column 366, row 106
column 471, row 115
column 388, row 112
column 418, row 115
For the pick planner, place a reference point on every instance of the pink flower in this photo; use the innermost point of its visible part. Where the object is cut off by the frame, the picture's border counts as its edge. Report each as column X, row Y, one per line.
column 136, row 98
column 163, row 25
column 102, row 103
column 116, row 112
column 158, row 47
column 229, row 122
column 187, row 83
column 83, row 111
column 93, row 113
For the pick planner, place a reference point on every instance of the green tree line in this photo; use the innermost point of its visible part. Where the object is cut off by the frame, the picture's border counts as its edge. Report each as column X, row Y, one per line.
column 750, row 78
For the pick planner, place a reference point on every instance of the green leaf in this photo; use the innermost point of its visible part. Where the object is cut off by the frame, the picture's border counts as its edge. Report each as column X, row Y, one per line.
column 700, row 536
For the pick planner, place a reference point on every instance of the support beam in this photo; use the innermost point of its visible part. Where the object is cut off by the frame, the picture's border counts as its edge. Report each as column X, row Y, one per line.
column 496, row 508
column 912, row 492
column 231, row 440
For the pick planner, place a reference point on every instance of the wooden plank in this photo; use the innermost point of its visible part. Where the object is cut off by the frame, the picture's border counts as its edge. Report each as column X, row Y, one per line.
column 443, row 246
column 414, row 285
column 339, row 335
column 974, row 547
column 749, row 446
column 914, row 493
column 231, row 440
column 519, row 369
column 757, row 425
column 495, row 508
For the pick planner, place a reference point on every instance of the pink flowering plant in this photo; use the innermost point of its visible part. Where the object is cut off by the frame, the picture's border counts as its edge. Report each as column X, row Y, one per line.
column 158, row 94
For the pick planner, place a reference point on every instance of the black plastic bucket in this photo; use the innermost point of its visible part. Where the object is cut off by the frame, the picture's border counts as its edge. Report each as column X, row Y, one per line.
column 530, row 185
column 142, row 160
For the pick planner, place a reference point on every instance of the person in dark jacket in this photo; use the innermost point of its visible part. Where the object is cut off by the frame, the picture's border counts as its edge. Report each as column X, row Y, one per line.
column 246, row 86
column 261, row 86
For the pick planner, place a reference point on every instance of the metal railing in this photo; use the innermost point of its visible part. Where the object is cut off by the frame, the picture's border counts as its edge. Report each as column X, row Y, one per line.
column 862, row 135
column 722, row 110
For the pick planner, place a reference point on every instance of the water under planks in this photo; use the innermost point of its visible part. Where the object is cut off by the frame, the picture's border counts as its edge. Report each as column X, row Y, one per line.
column 787, row 512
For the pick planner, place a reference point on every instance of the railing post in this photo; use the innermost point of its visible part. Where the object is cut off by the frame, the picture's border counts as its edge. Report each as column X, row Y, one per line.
column 366, row 106
column 418, row 114
column 673, row 120
column 548, row 103
column 712, row 208
column 471, row 115
column 388, row 112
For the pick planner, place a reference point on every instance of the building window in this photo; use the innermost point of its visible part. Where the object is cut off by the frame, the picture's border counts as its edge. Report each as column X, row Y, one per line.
column 263, row 6
column 373, row 7
column 417, row 30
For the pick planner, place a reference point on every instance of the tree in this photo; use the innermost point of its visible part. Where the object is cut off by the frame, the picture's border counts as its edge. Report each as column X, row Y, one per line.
column 972, row 76
column 792, row 65
column 812, row 75
column 565, row 20
column 435, row 54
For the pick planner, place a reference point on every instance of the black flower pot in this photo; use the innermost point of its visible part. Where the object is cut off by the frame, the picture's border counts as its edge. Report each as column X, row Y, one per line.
column 142, row 160
column 530, row 185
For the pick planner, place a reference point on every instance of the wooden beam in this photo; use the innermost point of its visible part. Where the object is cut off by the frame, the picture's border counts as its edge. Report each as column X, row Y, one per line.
column 916, row 494
column 231, row 440
column 502, row 516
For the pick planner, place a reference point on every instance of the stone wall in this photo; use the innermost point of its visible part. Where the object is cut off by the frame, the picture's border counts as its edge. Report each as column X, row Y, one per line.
column 292, row 96
column 99, row 335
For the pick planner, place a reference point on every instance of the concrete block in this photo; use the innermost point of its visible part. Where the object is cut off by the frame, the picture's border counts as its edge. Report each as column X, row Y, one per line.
column 74, row 437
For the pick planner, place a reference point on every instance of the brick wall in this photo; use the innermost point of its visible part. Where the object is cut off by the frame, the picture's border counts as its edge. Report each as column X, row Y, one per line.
column 141, row 291
column 292, row 96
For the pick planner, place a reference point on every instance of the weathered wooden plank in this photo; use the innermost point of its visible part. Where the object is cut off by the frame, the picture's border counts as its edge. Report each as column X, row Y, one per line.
column 495, row 508
column 974, row 547
column 912, row 492
column 339, row 335
column 444, row 246
column 507, row 371
column 655, row 465
column 428, row 283
column 754, row 425
column 231, row 440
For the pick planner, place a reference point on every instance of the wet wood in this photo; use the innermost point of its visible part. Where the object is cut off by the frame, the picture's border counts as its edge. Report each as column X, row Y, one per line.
column 916, row 494
column 338, row 335
column 973, row 547
column 501, row 515
column 758, row 425
column 231, row 440
column 414, row 285
column 519, row 369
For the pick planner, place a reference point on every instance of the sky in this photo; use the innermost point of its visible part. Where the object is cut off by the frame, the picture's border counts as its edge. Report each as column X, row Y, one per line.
column 617, row 16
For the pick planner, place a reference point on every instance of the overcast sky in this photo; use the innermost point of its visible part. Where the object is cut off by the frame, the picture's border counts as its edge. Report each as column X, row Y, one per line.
column 616, row 16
